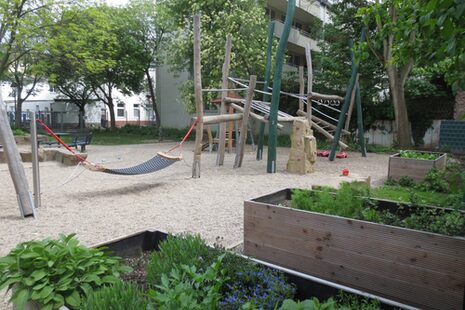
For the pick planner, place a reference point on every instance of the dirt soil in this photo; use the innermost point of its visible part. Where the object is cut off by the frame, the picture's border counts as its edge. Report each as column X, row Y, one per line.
column 99, row 207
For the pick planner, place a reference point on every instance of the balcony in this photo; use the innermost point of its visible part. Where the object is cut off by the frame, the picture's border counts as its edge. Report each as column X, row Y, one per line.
column 296, row 36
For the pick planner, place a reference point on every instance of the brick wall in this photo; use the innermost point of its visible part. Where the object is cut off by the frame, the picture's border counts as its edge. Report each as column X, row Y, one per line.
column 459, row 107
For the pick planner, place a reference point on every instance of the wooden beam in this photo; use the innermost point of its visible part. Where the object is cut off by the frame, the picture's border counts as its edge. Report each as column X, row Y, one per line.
column 254, row 115
column 220, row 119
column 240, row 147
column 15, row 165
column 352, row 102
column 317, row 96
column 198, row 99
column 222, row 131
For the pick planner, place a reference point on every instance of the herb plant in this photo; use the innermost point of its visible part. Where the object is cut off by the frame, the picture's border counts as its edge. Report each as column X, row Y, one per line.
column 118, row 296
column 186, row 288
column 54, row 273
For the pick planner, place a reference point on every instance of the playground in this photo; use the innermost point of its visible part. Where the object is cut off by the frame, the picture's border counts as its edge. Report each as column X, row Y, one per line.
column 100, row 206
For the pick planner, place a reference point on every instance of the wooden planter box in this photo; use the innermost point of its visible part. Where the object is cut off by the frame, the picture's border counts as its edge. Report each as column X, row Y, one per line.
column 134, row 245
column 414, row 168
column 416, row 268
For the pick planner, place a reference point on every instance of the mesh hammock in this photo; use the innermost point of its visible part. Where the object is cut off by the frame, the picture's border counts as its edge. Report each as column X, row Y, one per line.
column 159, row 162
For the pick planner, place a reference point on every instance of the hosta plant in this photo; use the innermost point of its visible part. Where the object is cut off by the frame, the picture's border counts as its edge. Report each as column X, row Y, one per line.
column 53, row 273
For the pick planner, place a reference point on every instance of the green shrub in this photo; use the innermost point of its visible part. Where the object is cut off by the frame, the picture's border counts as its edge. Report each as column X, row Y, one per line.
column 176, row 251
column 118, row 296
column 186, row 288
column 18, row 132
column 58, row 272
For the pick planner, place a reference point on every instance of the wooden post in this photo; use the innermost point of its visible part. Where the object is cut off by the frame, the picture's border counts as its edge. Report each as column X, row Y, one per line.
column 345, row 106
column 273, row 135
column 224, row 94
column 352, row 102
column 301, row 88
column 308, row 56
column 15, row 165
column 266, row 97
column 240, row 147
column 35, row 159
column 230, row 132
column 198, row 99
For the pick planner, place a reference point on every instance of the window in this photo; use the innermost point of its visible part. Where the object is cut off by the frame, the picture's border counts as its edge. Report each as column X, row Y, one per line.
column 136, row 111
column 120, row 111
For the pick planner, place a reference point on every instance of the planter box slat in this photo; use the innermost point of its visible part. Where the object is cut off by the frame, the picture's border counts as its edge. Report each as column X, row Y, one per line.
column 421, row 269
column 384, row 251
column 402, row 291
column 409, row 238
column 386, row 270
column 414, row 168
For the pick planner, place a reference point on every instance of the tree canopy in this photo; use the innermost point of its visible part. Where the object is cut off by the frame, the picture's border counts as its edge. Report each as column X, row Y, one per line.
column 244, row 20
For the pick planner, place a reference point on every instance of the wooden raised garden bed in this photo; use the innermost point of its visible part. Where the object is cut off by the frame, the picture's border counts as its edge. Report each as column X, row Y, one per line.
column 414, row 168
column 417, row 268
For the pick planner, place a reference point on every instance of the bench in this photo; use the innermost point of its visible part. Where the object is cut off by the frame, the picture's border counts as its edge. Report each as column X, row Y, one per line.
column 81, row 139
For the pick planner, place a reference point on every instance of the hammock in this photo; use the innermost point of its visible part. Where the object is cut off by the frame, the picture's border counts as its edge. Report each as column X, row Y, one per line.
column 159, row 162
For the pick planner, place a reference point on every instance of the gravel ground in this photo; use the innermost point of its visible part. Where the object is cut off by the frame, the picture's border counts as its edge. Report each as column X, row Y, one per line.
column 99, row 207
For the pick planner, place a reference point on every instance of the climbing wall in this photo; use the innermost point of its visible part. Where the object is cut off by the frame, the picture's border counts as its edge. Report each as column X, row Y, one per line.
column 303, row 148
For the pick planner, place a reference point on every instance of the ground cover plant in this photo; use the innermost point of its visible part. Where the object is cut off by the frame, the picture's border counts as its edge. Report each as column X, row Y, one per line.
column 348, row 201
column 58, row 272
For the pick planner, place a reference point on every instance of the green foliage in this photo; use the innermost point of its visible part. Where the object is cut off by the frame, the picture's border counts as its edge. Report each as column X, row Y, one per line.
column 243, row 281
column 18, row 132
column 117, row 296
column 419, row 155
column 176, row 251
column 347, row 202
column 56, row 272
column 186, row 288
column 241, row 19
column 308, row 304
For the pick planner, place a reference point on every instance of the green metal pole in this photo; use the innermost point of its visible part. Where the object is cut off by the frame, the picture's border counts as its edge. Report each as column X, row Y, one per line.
column 273, row 121
column 266, row 97
column 345, row 107
column 361, row 132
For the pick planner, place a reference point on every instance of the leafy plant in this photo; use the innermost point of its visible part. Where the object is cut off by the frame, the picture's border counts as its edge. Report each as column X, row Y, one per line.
column 186, row 288
column 118, row 296
column 419, row 155
column 58, row 272
column 18, row 132
column 176, row 251
column 347, row 202
column 308, row 304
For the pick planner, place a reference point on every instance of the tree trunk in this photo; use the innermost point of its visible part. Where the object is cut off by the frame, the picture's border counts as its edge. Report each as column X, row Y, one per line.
column 459, row 106
column 111, row 107
column 18, row 110
column 153, row 99
column 404, row 132
column 82, row 113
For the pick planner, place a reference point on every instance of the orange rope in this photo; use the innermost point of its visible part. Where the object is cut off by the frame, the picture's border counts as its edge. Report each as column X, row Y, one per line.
column 185, row 137
column 59, row 140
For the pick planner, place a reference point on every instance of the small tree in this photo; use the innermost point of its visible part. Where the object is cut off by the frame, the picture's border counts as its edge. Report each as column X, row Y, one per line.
column 244, row 20
column 392, row 42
